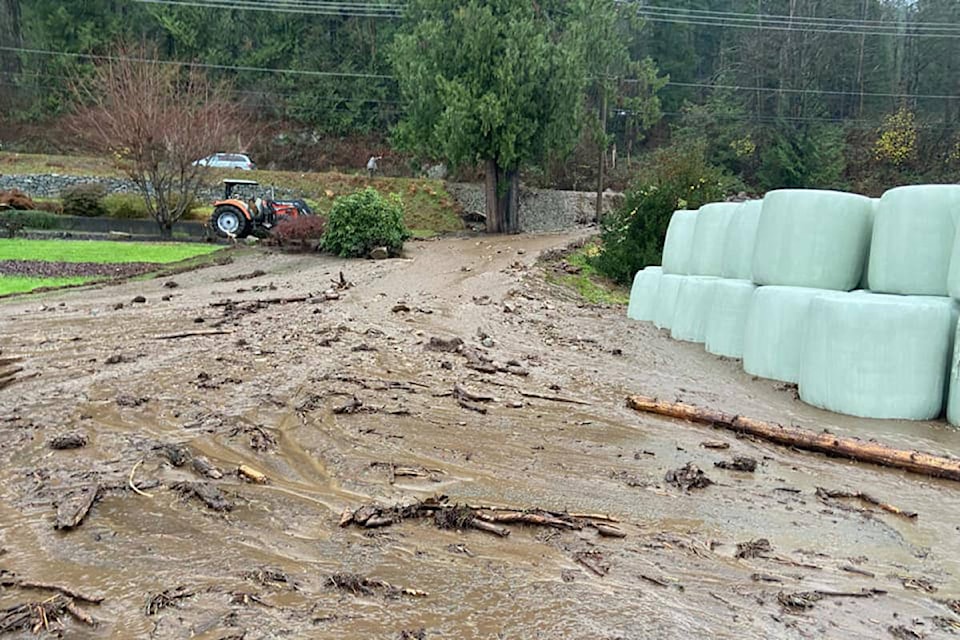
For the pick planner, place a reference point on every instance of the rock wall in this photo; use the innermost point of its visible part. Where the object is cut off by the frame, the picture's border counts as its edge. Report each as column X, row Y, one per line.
column 540, row 209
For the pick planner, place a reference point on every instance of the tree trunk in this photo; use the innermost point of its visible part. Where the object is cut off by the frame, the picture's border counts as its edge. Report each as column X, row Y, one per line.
column 166, row 227
column 603, row 153
column 512, row 214
column 494, row 221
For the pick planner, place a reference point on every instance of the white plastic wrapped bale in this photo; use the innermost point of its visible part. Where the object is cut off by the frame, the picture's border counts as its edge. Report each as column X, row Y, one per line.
column 666, row 300
column 694, row 302
column 727, row 322
column 878, row 356
column 953, row 392
column 740, row 239
column 643, row 295
column 864, row 279
column 776, row 325
column 814, row 239
column 913, row 235
column 678, row 244
column 709, row 237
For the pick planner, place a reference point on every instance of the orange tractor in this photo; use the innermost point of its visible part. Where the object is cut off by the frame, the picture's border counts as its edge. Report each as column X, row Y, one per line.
column 235, row 217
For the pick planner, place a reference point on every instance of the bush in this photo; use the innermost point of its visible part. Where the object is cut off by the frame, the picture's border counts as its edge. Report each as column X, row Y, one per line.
column 125, row 206
column 50, row 206
column 307, row 231
column 677, row 177
column 13, row 221
column 803, row 157
column 363, row 221
column 84, row 200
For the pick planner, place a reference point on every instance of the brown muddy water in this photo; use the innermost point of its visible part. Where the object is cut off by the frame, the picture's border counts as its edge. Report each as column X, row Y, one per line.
column 264, row 395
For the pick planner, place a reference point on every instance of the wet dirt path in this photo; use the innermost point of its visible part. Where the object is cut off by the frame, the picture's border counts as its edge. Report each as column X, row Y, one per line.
column 264, row 394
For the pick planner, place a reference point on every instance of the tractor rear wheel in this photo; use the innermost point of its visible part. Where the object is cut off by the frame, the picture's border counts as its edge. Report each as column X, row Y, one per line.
column 229, row 221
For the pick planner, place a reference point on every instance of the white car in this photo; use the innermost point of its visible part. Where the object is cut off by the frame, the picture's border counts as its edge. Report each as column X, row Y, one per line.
column 227, row 161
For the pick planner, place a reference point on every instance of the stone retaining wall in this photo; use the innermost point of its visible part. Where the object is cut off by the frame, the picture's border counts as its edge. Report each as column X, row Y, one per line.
column 540, row 209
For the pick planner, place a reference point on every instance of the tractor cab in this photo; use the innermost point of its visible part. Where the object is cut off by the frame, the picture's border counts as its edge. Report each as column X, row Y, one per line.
column 244, row 211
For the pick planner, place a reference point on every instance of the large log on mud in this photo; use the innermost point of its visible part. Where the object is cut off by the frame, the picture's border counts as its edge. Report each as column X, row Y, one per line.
column 822, row 442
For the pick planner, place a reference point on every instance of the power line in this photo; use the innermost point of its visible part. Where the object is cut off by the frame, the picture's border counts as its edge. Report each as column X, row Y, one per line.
column 868, row 94
column 328, row 9
column 799, row 20
column 202, row 65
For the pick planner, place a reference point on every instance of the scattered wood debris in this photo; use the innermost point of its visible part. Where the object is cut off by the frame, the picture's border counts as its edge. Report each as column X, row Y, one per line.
column 74, row 507
column 165, row 599
column 68, row 441
column 252, row 475
column 271, row 578
column 10, row 580
column 204, row 467
column 192, row 334
column 714, row 444
column 360, row 586
column 753, row 549
column 207, row 493
column 244, row 276
column 40, row 616
column 688, row 477
column 594, row 561
column 827, row 494
column 739, row 463
column 803, row 600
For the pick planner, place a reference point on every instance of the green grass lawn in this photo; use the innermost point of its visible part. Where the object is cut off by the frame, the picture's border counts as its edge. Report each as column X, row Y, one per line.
column 589, row 283
column 101, row 251
column 23, row 284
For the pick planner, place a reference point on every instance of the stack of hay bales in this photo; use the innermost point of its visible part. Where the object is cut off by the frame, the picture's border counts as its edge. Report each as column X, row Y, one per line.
column 677, row 253
column 809, row 243
column 774, row 282
column 885, row 353
column 695, row 293
column 643, row 294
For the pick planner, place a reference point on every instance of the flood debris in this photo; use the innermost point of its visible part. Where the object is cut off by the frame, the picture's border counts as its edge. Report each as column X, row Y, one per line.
column 175, row 454
column 46, row 615
column 399, row 471
column 688, row 477
column 827, row 495
column 552, row 398
column 593, row 561
column 714, row 444
column 358, row 585
column 488, row 518
column 918, row 584
column 415, row 634
column 167, row 598
column 127, row 400
column 11, row 580
column 803, row 600
column 74, row 506
column 739, row 463
column 251, row 475
column 902, row 632
column 68, row 441
column 206, row 492
column 204, row 467
column 256, row 273
column 753, row 549
column 468, row 400
column 270, row 577
column 821, row 442
column 192, row 334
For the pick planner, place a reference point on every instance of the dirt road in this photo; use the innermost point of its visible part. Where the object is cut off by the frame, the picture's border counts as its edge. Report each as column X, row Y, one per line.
column 258, row 558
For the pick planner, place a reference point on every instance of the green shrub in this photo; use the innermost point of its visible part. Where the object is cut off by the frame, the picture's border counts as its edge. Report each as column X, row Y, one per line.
column 803, row 157
column 84, row 200
column 13, row 221
column 362, row 221
column 676, row 177
column 125, row 206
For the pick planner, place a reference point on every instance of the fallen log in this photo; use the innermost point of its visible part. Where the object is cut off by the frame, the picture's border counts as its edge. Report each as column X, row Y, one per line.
column 191, row 334
column 70, row 592
column 545, row 396
column 74, row 508
column 828, row 494
column 840, row 446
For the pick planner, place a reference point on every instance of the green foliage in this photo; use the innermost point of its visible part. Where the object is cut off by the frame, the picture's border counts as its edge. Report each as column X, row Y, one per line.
column 500, row 80
column 589, row 283
column 360, row 222
column 13, row 221
column 84, row 200
column 676, row 177
column 808, row 157
column 125, row 206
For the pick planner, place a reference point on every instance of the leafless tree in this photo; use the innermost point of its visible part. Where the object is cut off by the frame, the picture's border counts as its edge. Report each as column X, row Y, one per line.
column 156, row 119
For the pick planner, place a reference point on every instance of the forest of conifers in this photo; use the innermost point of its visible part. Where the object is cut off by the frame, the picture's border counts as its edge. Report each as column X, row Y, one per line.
column 859, row 94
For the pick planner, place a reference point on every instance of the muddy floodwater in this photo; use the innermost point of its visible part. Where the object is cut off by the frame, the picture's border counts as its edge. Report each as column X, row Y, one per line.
column 333, row 391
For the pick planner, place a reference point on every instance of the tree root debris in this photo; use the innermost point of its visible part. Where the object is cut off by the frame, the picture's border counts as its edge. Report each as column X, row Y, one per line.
column 753, row 549
column 165, row 599
column 46, row 615
column 206, row 493
column 803, row 600
column 739, row 463
column 360, row 586
column 68, row 441
column 688, row 477
column 271, row 578
column 483, row 517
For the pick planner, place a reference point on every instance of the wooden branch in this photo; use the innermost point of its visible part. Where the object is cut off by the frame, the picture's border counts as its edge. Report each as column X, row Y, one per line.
column 865, row 497
column 845, row 447
column 191, row 334
column 73, row 509
column 544, row 396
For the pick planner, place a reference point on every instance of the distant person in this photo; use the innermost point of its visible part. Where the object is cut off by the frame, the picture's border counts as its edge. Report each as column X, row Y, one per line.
column 372, row 165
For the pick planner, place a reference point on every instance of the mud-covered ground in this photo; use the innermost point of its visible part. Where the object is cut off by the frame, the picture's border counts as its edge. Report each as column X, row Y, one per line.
column 50, row 269
column 262, row 383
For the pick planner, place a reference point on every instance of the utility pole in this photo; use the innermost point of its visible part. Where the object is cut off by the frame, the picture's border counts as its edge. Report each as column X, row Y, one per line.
column 603, row 148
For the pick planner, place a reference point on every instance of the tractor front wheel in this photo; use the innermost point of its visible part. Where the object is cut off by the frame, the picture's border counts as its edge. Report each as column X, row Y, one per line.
column 229, row 221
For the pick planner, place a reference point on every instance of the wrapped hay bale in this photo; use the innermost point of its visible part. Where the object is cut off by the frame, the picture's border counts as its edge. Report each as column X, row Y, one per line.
column 913, row 234
column 776, row 325
column 678, row 244
column 643, row 295
column 953, row 392
column 666, row 300
column 813, row 239
column 877, row 355
column 709, row 236
column 864, row 279
column 694, row 302
column 727, row 323
column 739, row 242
